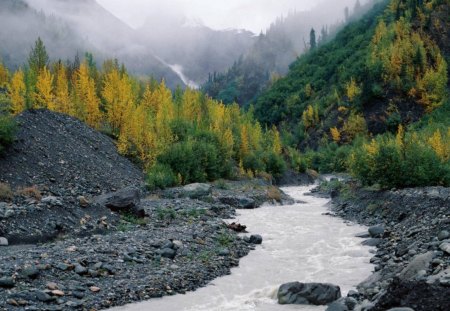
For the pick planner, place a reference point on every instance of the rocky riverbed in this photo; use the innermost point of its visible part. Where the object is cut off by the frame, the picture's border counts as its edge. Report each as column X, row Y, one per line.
column 410, row 228
column 79, row 231
column 181, row 244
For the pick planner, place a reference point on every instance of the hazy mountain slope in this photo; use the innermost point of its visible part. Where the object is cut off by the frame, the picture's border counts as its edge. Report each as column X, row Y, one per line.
column 274, row 51
column 358, row 79
column 179, row 53
column 20, row 25
column 197, row 48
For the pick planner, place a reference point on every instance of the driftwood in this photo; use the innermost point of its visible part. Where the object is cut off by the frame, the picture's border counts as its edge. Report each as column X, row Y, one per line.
column 237, row 227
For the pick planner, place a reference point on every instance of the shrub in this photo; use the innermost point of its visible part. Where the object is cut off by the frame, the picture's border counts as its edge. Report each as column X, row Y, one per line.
column 274, row 164
column 161, row 176
column 253, row 163
column 7, row 131
column 274, row 193
column 399, row 162
column 196, row 161
column 6, row 193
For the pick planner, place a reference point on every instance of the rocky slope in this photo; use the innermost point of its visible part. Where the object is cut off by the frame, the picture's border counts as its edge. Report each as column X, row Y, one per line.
column 410, row 228
column 62, row 154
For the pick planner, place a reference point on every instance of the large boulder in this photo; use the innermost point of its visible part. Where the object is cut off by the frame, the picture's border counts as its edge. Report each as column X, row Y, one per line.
column 239, row 202
column 195, row 191
column 308, row 293
column 126, row 200
column 418, row 263
column 376, row 231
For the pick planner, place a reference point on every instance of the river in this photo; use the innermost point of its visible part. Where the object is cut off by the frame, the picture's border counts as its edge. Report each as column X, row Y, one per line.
column 300, row 244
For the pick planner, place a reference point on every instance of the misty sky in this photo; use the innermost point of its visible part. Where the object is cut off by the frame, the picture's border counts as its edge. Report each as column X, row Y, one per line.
column 254, row 15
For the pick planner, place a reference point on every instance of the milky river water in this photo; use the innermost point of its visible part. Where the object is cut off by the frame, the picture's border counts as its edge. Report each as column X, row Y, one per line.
column 299, row 244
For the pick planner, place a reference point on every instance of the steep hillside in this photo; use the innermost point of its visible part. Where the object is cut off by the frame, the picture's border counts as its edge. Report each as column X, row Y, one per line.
column 384, row 70
column 273, row 52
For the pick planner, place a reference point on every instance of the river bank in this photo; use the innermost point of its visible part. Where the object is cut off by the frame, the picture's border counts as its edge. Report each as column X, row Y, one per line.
column 410, row 228
column 181, row 244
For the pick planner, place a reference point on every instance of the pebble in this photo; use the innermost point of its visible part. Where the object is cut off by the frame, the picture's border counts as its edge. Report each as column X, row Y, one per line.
column 6, row 282
column 4, row 241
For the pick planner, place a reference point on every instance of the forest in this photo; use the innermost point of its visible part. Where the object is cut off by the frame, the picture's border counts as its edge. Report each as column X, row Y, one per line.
column 178, row 137
column 373, row 101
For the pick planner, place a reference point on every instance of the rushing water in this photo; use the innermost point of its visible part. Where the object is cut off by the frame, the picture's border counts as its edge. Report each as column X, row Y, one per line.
column 300, row 244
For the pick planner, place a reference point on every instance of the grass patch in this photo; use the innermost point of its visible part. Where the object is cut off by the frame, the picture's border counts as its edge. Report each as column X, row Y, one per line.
column 6, row 193
column 30, row 192
column 274, row 193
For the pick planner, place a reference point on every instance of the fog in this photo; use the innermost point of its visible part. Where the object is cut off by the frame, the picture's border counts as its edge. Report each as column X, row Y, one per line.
column 253, row 15
column 179, row 40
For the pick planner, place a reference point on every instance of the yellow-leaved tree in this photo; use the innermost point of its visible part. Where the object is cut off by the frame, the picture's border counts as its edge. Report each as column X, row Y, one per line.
column 62, row 98
column 17, row 92
column 4, row 75
column 118, row 95
column 87, row 102
column 43, row 96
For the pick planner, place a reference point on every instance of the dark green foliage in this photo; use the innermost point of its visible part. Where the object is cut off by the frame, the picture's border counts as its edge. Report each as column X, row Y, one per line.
column 38, row 58
column 7, row 130
column 161, row 176
column 253, row 163
column 414, row 164
column 326, row 71
column 196, row 161
column 275, row 164
column 330, row 158
column 312, row 39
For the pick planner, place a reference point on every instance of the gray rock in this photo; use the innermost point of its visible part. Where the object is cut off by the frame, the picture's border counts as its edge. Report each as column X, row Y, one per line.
column 6, row 282
column 197, row 190
column 445, row 247
column 51, row 200
column 308, row 293
column 256, row 239
column 168, row 253
column 79, row 269
column 31, row 272
column 42, row 296
column 125, row 200
column 240, row 202
column 4, row 241
column 419, row 262
column 62, row 266
column 376, row 231
column 338, row 305
column 351, row 303
column 401, row 309
column 372, row 242
column 444, row 234
column 369, row 282
column 224, row 252
column 363, row 235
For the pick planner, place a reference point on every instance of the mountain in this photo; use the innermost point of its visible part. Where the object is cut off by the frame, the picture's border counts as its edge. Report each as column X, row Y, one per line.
column 98, row 31
column 17, row 36
column 181, row 53
column 197, row 49
column 273, row 52
column 379, row 72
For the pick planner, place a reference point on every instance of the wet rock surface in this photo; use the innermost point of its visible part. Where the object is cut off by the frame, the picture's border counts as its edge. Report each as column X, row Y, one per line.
column 308, row 293
column 410, row 228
